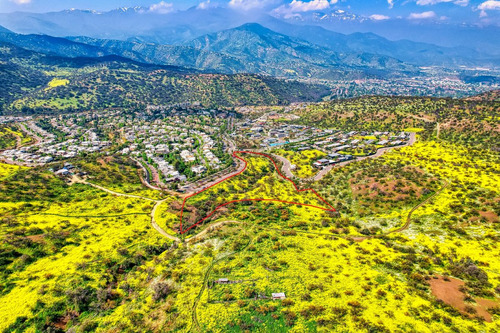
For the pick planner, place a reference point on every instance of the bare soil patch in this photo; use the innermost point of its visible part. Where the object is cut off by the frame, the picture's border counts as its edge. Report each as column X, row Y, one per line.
column 490, row 216
column 36, row 238
column 449, row 292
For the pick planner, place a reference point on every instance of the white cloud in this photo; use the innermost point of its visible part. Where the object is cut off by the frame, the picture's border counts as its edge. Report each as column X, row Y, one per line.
column 378, row 17
column 204, row 5
column 391, row 3
column 21, row 2
column 422, row 16
column 297, row 6
column 162, row 7
column 250, row 4
column 434, row 2
column 488, row 5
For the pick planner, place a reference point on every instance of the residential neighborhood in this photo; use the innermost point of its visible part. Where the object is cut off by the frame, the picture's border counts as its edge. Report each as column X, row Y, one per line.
column 339, row 146
column 175, row 143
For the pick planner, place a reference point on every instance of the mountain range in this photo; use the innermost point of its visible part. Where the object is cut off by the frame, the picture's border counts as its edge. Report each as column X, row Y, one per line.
column 435, row 44
column 250, row 48
column 114, row 81
column 224, row 41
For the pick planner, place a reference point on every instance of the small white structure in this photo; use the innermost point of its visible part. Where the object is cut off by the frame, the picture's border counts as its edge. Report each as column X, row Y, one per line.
column 222, row 281
column 278, row 296
column 62, row 172
column 198, row 169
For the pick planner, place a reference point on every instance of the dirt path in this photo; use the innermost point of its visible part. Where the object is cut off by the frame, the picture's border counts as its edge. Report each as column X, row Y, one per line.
column 408, row 218
column 214, row 226
column 194, row 316
column 209, row 229
column 153, row 211
column 400, row 229
column 157, row 227
column 81, row 181
column 86, row 216
column 326, row 207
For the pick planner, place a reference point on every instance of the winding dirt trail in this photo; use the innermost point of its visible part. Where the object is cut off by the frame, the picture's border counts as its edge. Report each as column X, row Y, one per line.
column 210, row 229
column 81, row 181
column 195, row 325
column 157, row 227
column 405, row 226
column 194, row 316
column 408, row 218
column 154, row 224
column 240, row 168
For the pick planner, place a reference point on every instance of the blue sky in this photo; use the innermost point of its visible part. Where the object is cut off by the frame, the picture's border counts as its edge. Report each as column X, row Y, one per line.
column 454, row 10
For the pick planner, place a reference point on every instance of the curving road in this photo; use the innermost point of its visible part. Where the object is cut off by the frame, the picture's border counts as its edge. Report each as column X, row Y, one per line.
column 198, row 187
column 286, row 169
column 287, row 165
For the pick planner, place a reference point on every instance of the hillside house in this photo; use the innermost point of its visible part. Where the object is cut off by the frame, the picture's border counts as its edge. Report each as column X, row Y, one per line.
column 276, row 296
column 222, row 281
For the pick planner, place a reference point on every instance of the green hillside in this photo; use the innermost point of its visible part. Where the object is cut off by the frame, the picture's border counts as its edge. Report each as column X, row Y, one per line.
column 468, row 121
column 112, row 81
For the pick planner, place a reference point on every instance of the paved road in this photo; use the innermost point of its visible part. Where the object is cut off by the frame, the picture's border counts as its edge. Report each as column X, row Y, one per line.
column 239, row 168
column 230, row 148
column 287, row 165
column 218, row 176
column 146, row 182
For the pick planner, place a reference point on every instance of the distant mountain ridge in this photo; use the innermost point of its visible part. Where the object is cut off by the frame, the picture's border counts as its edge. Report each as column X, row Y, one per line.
column 146, row 25
column 136, row 23
column 114, row 81
column 274, row 53
column 417, row 53
column 52, row 45
column 4, row 30
column 478, row 37
column 250, row 48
